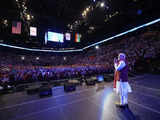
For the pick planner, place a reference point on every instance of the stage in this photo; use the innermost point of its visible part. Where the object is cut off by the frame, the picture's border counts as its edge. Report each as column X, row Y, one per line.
column 86, row 103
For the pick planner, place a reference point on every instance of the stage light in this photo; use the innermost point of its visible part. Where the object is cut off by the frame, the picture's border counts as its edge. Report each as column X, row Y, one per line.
column 102, row 4
column 87, row 9
column 76, row 22
column 28, row 17
column 64, row 58
column 5, row 22
column 37, row 58
column 91, row 28
column 22, row 58
column 97, row 47
column 83, row 15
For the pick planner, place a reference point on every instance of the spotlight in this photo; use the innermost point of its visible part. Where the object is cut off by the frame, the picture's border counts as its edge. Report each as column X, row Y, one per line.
column 28, row 17
column 91, row 28
column 22, row 58
column 37, row 58
column 87, row 9
column 5, row 21
column 102, row 4
column 97, row 47
column 83, row 15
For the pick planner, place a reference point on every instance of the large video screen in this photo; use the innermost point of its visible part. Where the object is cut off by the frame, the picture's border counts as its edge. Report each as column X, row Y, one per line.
column 55, row 37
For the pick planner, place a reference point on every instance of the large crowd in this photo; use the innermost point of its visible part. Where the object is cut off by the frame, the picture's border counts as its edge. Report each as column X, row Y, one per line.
column 141, row 47
column 23, row 68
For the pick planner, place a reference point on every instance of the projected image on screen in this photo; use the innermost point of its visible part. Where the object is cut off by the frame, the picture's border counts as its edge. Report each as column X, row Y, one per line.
column 33, row 31
column 55, row 37
column 68, row 36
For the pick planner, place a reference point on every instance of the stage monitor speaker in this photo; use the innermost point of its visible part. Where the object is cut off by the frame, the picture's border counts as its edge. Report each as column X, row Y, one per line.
column 69, row 87
column 90, row 82
column 32, row 90
column 20, row 88
column 45, row 91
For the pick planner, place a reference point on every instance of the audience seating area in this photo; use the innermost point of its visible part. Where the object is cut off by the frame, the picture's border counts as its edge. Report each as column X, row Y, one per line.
column 142, row 50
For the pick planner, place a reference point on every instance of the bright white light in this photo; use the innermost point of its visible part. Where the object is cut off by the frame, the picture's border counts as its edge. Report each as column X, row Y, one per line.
column 28, row 17
column 37, row 58
column 97, row 47
column 64, row 58
column 5, row 21
column 87, row 9
column 102, row 4
column 83, row 14
column 22, row 58
column 91, row 28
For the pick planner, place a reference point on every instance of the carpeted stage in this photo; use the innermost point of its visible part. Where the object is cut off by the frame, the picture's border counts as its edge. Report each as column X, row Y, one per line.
column 86, row 103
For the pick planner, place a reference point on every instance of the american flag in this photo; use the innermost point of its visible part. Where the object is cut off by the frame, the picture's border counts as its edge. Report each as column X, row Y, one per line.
column 16, row 27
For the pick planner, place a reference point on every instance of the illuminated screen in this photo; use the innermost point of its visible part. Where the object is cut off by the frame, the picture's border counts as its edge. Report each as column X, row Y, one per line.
column 68, row 36
column 100, row 78
column 55, row 37
column 33, row 31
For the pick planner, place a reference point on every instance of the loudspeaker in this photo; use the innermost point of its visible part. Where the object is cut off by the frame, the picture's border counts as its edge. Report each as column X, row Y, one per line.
column 90, row 82
column 45, row 90
column 68, row 87
column 32, row 90
column 20, row 88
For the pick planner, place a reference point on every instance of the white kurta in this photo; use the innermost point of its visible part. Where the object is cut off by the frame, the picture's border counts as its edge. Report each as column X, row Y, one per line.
column 122, row 87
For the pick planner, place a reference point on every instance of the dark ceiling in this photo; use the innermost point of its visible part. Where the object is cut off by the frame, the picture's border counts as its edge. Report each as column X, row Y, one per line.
column 100, row 22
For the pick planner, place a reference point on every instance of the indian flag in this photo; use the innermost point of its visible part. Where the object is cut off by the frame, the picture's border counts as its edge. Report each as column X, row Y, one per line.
column 78, row 37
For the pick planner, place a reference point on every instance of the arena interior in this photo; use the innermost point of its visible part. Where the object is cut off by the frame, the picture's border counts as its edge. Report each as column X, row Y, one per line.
column 57, row 59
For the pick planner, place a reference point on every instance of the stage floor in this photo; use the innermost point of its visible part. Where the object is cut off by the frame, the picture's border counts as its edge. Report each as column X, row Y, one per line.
column 86, row 103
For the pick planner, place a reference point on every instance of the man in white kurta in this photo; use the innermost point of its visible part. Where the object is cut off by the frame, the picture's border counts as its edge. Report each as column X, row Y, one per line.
column 121, row 85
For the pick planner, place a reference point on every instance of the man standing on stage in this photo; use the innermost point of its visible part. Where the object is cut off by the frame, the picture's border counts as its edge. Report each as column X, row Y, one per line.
column 121, row 85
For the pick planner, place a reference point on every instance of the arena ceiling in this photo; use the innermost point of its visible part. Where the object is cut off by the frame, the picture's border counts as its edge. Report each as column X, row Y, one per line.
column 94, row 19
